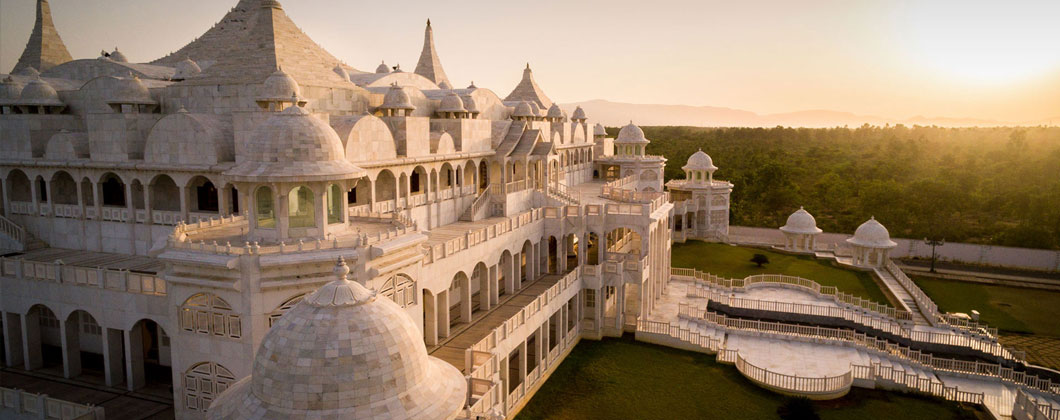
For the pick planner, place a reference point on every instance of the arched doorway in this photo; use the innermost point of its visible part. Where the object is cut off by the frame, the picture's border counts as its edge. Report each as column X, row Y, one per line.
column 553, row 259
column 149, row 351
column 572, row 251
column 43, row 340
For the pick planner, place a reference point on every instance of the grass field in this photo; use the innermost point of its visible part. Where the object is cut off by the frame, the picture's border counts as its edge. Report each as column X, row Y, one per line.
column 624, row 379
column 1011, row 309
column 735, row 262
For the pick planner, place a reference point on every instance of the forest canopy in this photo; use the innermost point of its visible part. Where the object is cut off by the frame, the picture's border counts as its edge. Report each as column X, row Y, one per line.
column 998, row 186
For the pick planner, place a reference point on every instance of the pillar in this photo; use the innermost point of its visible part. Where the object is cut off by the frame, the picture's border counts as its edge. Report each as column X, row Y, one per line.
column 443, row 313
column 522, row 361
column 430, row 319
column 31, row 344
column 465, row 300
column 510, row 276
column 48, row 193
column 134, row 358
column 494, row 277
column 184, row 203
column 112, row 360
column 70, row 338
column 12, row 338
column 321, row 209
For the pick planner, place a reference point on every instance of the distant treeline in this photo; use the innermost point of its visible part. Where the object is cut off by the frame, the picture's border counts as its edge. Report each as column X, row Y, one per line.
column 997, row 186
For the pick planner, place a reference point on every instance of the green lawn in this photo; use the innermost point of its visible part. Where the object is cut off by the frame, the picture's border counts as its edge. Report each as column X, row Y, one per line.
column 624, row 379
column 1012, row 309
column 735, row 262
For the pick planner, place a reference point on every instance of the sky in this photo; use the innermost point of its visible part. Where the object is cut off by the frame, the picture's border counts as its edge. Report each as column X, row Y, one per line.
column 996, row 60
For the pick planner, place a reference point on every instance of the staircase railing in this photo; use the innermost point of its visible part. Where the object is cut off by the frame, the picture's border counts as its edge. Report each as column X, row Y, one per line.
column 478, row 204
column 12, row 230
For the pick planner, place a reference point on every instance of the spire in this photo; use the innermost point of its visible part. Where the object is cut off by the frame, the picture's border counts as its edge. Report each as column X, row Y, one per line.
column 430, row 66
column 45, row 48
column 528, row 90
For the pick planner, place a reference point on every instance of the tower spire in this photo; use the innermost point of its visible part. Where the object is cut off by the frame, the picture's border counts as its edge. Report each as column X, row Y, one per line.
column 430, row 66
column 45, row 48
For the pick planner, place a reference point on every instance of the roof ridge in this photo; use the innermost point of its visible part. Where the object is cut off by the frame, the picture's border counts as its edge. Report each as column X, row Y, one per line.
column 528, row 90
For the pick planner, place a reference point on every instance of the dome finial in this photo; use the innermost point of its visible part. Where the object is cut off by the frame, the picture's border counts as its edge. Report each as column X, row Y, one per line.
column 341, row 269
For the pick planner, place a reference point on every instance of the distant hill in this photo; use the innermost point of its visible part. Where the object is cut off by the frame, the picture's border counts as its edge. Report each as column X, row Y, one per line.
column 617, row 113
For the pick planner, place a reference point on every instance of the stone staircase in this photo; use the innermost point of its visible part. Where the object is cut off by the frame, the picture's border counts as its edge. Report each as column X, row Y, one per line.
column 562, row 194
column 901, row 295
column 15, row 238
column 478, row 208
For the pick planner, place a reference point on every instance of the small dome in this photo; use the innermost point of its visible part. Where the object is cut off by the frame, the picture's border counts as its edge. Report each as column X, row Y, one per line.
column 397, row 69
column 130, row 90
column 523, row 110
column 872, row 234
column 599, row 130
column 10, row 90
column 801, row 221
column 28, row 71
column 555, row 112
column 472, row 86
column 294, row 146
column 383, row 68
column 39, row 92
column 339, row 70
column 452, row 103
column 579, row 114
column 445, row 85
column 470, row 104
column 397, row 98
column 280, row 87
column 631, row 134
column 187, row 69
column 118, row 57
column 699, row 161
column 344, row 352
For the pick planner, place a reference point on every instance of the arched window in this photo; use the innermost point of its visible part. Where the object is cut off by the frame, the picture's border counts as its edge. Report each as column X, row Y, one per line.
column 300, row 208
column 113, row 191
column 400, row 289
column 205, row 313
column 263, row 208
column 335, row 204
column 284, row 307
column 203, row 382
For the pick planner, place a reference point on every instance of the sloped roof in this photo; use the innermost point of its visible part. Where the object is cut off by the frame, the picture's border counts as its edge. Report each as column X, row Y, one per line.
column 45, row 48
column 254, row 39
column 430, row 66
column 528, row 90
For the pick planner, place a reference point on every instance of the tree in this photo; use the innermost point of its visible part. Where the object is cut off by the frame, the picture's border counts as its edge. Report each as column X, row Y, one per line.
column 797, row 408
column 760, row 259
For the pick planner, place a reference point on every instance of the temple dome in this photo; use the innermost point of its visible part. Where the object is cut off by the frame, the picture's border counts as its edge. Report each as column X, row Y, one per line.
column 294, row 146
column 118, row 57
column 872, row 234
column 555, row 112
column 39, row 92
column 523, row 109
column 10, row 90
column 452, row 103
column 397, row 98
column 383, row 68
column 802, row 222
column 187, row 69
column 470, row 104
column 579, row 114
column 344, row 352
column 28, row 71
column 280, row 86
column 599, row 130
column 631, row 134
column 699, row 161
column 130, row 90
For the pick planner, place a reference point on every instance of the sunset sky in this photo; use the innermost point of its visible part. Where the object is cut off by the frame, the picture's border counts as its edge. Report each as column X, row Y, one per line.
column 975, row 59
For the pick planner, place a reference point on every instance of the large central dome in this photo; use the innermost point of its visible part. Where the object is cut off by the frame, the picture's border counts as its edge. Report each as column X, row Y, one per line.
column 343, row 353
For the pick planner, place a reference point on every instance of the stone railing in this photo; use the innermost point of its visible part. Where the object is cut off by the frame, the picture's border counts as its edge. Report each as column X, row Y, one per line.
column 66, row 211
column 27, row 405
column 103, row 278
column 824, row 291
column 471, row 238
column 914, row 382
column 511, row 187
column 476, row 206
column 869, row 343
column 12, row 230
column 1028, row 408
column 564, row 194
column 792, row 384
column 926, row 305
column 623, row 183
column 645, row 330
column 183, row 237
column 865, row 318
column 502, row 332
column 22, row 207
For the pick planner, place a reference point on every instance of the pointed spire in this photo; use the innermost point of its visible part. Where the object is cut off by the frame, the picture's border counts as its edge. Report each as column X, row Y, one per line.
column 45, row 48
column 528, row 90
column 430, row 66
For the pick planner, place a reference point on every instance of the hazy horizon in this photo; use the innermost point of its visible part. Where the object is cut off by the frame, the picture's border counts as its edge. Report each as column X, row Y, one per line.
column 892, row 59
